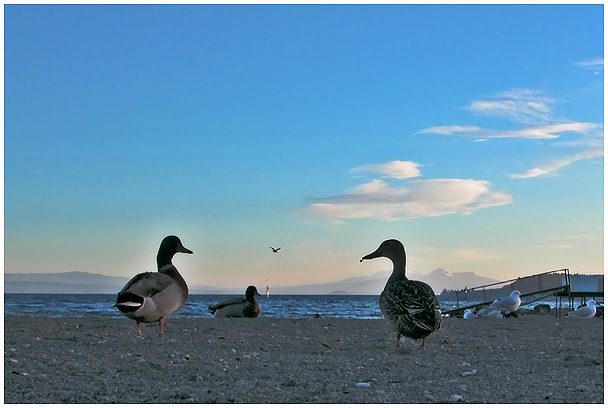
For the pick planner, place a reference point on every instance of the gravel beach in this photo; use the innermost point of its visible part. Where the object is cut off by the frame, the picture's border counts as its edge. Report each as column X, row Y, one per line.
column 530, row 359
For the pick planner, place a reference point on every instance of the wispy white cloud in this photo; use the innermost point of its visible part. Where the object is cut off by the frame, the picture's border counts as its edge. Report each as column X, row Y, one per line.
column 592, row 63
column 535, row 109
column 521, row 105
column 394, row 169
column 416, row 199
column 560, row 164
column 543, row 132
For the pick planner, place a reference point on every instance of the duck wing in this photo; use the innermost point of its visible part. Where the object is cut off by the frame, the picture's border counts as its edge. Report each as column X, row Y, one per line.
column 412, row 308
column 147, row 284
column 226, row 303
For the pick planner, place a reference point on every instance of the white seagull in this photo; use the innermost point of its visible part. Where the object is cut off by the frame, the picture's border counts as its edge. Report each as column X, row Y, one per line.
column 586, row 312
column 509, row 304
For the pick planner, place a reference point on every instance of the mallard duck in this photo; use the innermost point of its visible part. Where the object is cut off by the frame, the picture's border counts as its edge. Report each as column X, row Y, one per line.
column 410, row 306
column 238, row 306
column 152, row 296
column 586, row 312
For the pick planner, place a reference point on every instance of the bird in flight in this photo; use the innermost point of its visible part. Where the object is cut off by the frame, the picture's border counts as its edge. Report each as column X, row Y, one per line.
column 275, row 250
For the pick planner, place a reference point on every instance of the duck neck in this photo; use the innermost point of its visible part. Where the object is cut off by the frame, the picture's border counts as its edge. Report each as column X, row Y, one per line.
column 163, row 259
column 398, row 271
column 167, row 268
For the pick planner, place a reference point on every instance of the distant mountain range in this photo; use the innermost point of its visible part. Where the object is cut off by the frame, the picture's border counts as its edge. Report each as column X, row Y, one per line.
column 84, row 282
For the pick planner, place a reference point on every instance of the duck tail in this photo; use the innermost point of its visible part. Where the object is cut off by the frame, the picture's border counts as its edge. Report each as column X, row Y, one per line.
column 128, row 302
column 212, row 309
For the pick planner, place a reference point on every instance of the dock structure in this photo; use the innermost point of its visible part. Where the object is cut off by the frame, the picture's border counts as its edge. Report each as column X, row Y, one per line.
column 556, row 283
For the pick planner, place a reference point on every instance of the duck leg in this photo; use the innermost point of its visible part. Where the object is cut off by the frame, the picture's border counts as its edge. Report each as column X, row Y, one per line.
column 398, row 338
column 161, row 323
column 138, row 328
column 422, row 345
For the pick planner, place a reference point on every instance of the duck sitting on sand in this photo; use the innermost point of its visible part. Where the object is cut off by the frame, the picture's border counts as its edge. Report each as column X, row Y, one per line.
column 586, row 312
column 469, row 314
column 152, row 296
column 410, row 306
column 238, row 306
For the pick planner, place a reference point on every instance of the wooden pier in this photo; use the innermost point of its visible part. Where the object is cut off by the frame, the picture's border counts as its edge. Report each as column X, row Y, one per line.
column 556, row 283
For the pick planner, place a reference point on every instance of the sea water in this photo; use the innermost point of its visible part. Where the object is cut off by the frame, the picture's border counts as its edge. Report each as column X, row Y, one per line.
column 292, row 306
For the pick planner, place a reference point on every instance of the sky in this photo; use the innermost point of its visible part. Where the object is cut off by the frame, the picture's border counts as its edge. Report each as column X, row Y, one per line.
column 473, row 134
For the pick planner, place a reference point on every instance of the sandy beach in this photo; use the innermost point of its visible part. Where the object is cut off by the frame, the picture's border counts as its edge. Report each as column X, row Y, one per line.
column 530, row 359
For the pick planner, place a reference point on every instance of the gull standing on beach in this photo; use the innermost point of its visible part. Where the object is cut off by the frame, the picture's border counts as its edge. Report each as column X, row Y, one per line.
column 509, row 304
column 410, row 306
column 152, row 296
column 238, row 306
column 586, row 312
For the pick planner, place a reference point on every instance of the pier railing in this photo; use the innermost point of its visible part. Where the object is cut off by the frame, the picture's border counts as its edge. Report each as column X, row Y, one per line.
column 532, row 287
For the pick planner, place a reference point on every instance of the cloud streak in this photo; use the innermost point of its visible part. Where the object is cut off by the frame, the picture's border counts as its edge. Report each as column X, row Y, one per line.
column 394, row 169
column 592, row 63
column 542, row 132
column 560, row 164
column 521, row 105
column 416, row 199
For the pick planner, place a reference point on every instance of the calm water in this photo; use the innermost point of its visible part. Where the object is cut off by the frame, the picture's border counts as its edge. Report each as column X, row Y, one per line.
column 294, row 306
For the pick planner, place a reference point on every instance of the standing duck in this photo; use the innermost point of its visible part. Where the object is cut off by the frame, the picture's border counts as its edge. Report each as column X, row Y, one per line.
column 238, row 306
column 152, row 296
column 410, row 306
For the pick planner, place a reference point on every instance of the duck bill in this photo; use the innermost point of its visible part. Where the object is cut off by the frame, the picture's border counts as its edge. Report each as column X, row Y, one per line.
column 373, row 255
column 183, row 249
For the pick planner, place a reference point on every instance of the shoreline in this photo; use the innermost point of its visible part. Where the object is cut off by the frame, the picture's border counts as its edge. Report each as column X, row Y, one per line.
column 531, row 359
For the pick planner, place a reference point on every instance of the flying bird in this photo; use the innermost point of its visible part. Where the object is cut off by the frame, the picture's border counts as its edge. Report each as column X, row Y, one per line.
column 410, row 306
column 275, row 250
column 238, row 306
column 152, row 296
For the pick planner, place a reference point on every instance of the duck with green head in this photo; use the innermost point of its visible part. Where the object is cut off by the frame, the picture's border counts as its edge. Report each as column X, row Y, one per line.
column 239, row 306
column 152, row 296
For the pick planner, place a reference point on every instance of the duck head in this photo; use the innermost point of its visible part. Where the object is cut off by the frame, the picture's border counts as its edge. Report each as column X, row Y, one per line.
column 251, row 292
column 391, row 249
column 169, row 246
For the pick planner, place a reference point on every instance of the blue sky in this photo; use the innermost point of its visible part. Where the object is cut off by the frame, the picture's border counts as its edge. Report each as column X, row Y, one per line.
column 474, row 134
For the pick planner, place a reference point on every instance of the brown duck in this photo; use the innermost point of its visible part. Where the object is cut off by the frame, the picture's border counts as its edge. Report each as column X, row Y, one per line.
column 410, row 306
